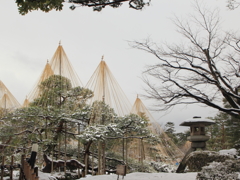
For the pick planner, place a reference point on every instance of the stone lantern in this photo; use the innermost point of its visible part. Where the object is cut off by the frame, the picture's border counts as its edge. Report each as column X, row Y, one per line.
column 197, row 137
column 197, row 131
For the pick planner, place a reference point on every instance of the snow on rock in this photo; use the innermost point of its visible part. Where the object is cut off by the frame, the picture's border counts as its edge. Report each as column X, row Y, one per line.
column 228, row 152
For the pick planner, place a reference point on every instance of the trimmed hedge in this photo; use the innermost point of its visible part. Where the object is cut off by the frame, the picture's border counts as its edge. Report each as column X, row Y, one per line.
column 228, row 170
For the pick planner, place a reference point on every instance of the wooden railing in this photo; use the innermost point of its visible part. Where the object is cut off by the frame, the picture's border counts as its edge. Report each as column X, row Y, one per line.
column 10, row 167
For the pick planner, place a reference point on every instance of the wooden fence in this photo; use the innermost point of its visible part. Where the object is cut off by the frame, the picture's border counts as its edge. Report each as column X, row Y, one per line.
column 26, row 171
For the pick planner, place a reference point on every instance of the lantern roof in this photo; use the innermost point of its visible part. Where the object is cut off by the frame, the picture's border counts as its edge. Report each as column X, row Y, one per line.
column 197, row 120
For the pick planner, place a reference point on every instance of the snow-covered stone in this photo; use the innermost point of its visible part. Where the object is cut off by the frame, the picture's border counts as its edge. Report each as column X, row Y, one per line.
column 228, row 152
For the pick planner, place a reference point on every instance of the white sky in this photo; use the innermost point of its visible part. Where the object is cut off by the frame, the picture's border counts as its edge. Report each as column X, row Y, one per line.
column 26, row 42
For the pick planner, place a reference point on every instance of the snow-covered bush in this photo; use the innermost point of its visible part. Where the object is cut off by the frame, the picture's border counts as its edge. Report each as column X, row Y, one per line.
column 163, row 167
column 228, row 170
column 196, row 160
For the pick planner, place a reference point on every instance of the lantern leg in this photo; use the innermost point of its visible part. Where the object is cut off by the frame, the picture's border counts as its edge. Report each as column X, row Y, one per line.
column 183, row 163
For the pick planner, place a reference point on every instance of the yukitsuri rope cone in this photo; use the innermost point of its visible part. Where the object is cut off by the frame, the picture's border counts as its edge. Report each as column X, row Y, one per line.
column 165, row 150
column 106, row 88
column 7, row 100
column 58, row 65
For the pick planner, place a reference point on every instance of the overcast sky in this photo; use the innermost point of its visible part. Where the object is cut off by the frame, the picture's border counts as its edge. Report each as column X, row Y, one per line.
column 27, row 42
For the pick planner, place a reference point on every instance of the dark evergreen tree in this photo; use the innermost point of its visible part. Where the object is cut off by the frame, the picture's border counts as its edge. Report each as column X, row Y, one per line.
column 169, row 129
column 225, row 133
column 182, row 138
column 43, row 121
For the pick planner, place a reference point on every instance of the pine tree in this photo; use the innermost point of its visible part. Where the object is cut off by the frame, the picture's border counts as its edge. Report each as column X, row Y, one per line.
column 225, row 133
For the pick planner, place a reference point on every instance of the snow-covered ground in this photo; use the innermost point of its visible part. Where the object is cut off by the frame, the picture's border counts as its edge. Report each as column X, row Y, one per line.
column 136, row 176
column 146, row 176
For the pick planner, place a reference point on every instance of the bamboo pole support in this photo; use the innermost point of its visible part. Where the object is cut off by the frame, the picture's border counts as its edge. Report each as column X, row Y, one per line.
column 52, row 162
column 92, row 165
column 2, row 168
column 11, row 169
column 59, row 146
column 126, row 156
column 142, row 153
column 78, row 149
column 123, row 148
column 139, row 151
column 86, row 164
column 65, row 149
column 99, row 158
column 46, row 126
column 103, row 158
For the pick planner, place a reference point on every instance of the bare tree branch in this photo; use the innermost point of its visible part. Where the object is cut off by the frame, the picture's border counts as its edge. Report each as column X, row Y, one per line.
column 204, row 69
